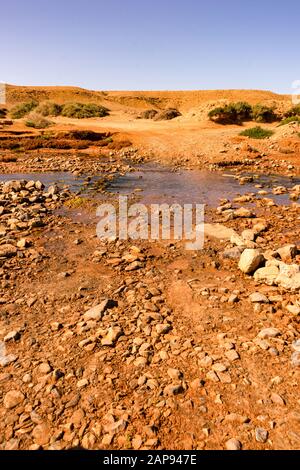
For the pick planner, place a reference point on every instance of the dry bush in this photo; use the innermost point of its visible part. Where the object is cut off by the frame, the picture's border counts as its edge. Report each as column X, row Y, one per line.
column 37, row 121
column 119, row 145
column 148, row 114
column 82, row 110
column 20, row 110
column 167, row 114
column 49, row 108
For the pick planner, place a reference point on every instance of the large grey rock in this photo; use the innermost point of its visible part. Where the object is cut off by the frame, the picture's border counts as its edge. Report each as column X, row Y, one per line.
column 233, row 253
column 96, row 313
column 250, row 260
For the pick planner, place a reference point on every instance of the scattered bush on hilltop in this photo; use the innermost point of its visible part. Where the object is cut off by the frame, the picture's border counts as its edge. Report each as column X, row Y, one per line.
column 20, row 110
column 257, row 133
column 82, row 110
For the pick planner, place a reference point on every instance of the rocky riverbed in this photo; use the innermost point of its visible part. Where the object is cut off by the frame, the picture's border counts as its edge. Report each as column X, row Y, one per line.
column 115, row 344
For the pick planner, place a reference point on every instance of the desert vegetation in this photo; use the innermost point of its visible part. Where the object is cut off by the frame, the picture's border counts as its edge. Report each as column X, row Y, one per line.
column 148, row 114
column 167, row 114
column 261, row 113
column 49, row 108
column 294, row 111
column 290, row 119
column 37, row 121
column 82, row 110
column 21, row 110
column 231, row 113
column 257, row 133
column 237, row 113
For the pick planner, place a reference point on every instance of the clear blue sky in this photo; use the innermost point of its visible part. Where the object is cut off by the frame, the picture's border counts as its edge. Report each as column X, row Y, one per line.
column 151, row 44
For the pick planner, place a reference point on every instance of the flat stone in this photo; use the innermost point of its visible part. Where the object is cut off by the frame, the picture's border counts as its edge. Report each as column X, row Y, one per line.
column 211, row 375
column 112, row 335
column 96, row 313
column 174, row 374
column 233, row 253
column 258, row 297
column 277, row 399
column 242, row 212
column 269, row 333
column 5, row 360
column 13, row 399
column 232, row 355
column 12, row 336
column 45, row 368
column 163, row 328
column 82, row 383
column 218, row 231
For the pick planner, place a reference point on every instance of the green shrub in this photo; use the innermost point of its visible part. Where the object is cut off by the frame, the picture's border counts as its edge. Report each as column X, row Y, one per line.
column 290, row 119
column 261, row 113
column 81, row 110
column 49, row 108
column 20, row 110
column 37, row 121
column 294, row 111
column 257, row 133
column 233, row 113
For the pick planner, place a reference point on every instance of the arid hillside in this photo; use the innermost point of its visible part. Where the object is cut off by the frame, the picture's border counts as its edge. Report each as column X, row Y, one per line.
column 183, row 100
